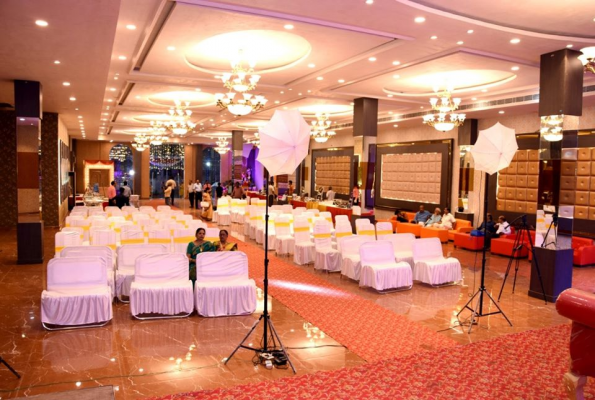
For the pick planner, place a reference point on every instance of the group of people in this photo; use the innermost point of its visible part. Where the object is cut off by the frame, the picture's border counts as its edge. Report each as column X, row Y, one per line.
column 200, row 245
column 119, row 198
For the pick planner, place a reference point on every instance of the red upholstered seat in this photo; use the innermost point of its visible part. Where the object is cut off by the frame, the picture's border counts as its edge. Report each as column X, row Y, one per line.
column 504, row 245
column 461, row 225
column 405, row 227
column 584, row 251
column 579, row 306
column 466, row 241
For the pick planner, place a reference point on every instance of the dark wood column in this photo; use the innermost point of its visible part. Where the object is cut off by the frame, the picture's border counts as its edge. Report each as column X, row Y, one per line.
column 365, row 125
column 237, row 147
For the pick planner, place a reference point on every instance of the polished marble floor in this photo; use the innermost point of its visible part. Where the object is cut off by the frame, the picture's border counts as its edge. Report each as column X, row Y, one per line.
column 151, row 358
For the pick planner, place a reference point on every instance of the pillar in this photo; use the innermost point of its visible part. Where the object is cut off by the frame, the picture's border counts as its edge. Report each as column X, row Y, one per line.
column 237, row 147
column 8, row 169
column 365, row 129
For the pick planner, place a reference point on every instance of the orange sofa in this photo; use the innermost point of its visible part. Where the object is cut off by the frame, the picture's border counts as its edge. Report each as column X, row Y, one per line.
column 584, row 251
column 461, row 225
column 430, row 232
column 468, row 242
column 405, row 227
column 504, row 245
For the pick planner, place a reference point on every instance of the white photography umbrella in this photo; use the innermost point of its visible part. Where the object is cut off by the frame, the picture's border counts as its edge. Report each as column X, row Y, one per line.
column 494, row 149
column 284, row 142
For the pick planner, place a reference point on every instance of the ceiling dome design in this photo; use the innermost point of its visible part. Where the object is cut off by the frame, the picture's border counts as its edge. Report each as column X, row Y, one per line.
column 196, row 99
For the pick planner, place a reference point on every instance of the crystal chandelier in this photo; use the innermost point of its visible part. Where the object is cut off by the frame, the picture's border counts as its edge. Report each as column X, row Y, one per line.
column 242, row 78
column 222, row 146
column 588, row 59
column 445, row 120
column 157, row 135
column 140, row 141
column 179, row 120
column 320, row 127
column 551, row 128
column 244, row 106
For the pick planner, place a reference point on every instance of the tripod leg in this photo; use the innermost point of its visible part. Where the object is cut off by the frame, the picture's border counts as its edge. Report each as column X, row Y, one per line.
column 475, row 314
column 505, row 277
column 281, row 345
column 243, row 340
column 516, row 271
column 467, row 304
column 499, row 309
column 2, row 361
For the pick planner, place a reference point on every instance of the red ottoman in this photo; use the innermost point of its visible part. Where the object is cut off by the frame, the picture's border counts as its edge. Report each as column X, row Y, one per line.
column 466, row 241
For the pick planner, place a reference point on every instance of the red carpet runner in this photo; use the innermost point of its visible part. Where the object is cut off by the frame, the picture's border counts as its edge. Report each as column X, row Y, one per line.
column 369, row 330
column 526, row 365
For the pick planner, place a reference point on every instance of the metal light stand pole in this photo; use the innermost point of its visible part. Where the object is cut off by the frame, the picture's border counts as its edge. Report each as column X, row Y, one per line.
column 478, row 311
column 3, row 361
column 265, row 351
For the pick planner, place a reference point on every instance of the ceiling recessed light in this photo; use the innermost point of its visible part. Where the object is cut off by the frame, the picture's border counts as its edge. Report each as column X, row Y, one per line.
column 282, row 92
column 470, row 31
column 57, row 62
column 396, row 63
column 389, row 95
column 110, row 101
column 285, row 108
column 299, row 94
column 460, row 42
column 515, row 68
column 309, row 90
column 422, row 107
column 369, row 1
column 277, row 101
column 121, row 57
column 41, row 22
column 474, row 98
column 396, row 76
column 500, row 112
column 80, row 116
column 420, row 20
column 569, row 46
column 351, row 104
column 73, row 99
column 288, row 26
column 320, row 78
column 197, row 90
column 311, row 65
column 434, row 37
column 217, row 77
column 171, row 48
column 484, row 90
column 66, row 83
column 137, row 97
column 341, row 81
column 515, row 41
column 76, row 109
column 396, row 126
column 372, row 59
column 131, row 27
column 115, row 78
column 390, row 112
column 21, row 119
column 105, row 113
column 113, row 89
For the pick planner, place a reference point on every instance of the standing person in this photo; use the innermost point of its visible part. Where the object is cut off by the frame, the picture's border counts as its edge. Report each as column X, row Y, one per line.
column 207, row 209
column 219, row 190
column 111, row 194
column 355, row 195
column 197, row 194
column 238, row 192
column 290, row 189
column 272, row 193
column 214, row 195
column 330, row 194
column 121, row 199
column 200, row 245
column 191, row 193
column 174, row 186
column 127, row 192
column 167, row 195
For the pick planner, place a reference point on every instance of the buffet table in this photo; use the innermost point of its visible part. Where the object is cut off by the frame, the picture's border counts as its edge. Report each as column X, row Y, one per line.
column 323, row 206
column 257, row 195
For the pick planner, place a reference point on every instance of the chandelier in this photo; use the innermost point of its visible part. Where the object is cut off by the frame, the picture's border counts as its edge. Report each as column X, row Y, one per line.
column 157, row 135
column 551, row 127
column 244, row 106
column 222, row 146
column 320, row 127
column 140, row 141
column 588, row 59
column 445, row 120
column 179, row 120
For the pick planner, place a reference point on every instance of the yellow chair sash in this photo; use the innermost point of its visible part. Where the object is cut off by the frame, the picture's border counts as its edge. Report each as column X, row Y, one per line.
column 132, row 241
column 329, row 219
column 211, row 239
column 112, row 246
column 59, row 249
column 342, row 234
column 85, row 227
column 366, row 233
column 184, row 239
column 322, row 235
column 282, row 224
column 384, row 232
column 160, row 240
column 146, row 234
column 302, row 229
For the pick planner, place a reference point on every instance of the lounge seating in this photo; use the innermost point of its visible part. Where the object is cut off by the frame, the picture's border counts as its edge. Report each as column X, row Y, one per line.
column 460, row 226
column 405, row 227
column 504, row 245
column 380, row 271
column 430, row 265
column 584, row 251
column 468, row 242
column 429, row 232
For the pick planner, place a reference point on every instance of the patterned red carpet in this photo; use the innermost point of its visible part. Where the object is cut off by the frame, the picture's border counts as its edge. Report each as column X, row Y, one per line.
column 369, row 330
column 526, row 365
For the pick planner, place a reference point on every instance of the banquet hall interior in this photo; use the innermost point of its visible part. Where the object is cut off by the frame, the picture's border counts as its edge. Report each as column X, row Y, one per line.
column 216, row 199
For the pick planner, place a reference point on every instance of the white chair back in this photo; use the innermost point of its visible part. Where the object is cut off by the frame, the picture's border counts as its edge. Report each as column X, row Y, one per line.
column 402, row 242
column 66, row 239
column 342, row 231
column 223, row 205
column 181, row 239
column 71, row 217
column 76, row 273
column 298, row 211
column 301, row 229
column 427, row 249
column 76, row 229
column 384, row 230
column 212, row 234
column 159, row 235
column 97, row 211
column 322, row 234
column 147, row 210
column 282, row 225
column 161, row 268
column 103, row 237
column 163, row 208
column 132, row 235
column 364, row 227
column 350, row 245
column 90, row 251
column 221, row 266
column 328, row 216
column 128, row 254
column 99, row 223
column 195, row 224
column 379, row 252
column 342, row 218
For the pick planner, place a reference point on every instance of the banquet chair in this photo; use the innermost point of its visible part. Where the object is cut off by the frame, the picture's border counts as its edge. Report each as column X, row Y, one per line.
column 181, row 238
column 147, row 210
column 284, row 241
column 350, row 258
column 76, row 296
column 102, row 252
column 260, row 232
column 161, row 286
column 66, row 239
column 97, row 211
column 342, row 218
column 71, row 217
column 80, row 209
column 247, row 219
column 364, row 227
column 223, row 211
column 76, row 229
column 125, row 261
column 129, row 209
column 256, row 218
column 184, row 219
column 384, row 230
column 222, row 285
column 113, row 212
column 238, row 215
column 298, row 211
column 326, row 258
column 403, row 246
column 327, row 216
column 132, row 234
column 212, row 234
column 160, row 235
column 97, row 222
column 431, row 267
column 163, row 208
column 303, row 247
column 342, row 231
column 103, row 237
column 195, row 224
column 286, row 208
column 85, row 225
column 380, row 271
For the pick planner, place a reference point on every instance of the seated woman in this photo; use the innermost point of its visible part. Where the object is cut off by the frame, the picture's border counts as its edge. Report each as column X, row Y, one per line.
column 222, row 244
column 207, row 206
column 435, row 218
column 400, row 216
column 448, row 220
column 200, row 245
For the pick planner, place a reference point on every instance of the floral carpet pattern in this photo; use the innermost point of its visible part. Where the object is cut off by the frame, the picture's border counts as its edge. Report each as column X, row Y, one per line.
column 526, row 365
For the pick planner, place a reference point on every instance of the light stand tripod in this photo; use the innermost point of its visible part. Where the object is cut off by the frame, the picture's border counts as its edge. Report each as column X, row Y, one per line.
column 478, row 311
column 3, row 361
column 267, row 351
column 522, row 232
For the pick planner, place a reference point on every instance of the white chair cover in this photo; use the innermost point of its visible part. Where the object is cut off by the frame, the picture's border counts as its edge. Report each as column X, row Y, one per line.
column 379, row 269
column 223, row 211
column 326, row 258
column 161, row 285
column 403, row 246
column 103, row 237
column 147, row 210
column 211, row 234
column 76, row 295
column 303, row 248
column 342, row 230
column 239, row 212
column 383, row 230
column 159, row 235
column 286, row 208
column 364, row 227
column 85, row 225
column 222, row 285
column 430, row 265
column 102, row 252
column 350, row 260
column 65, row 239
column 126, row 260
column 284, row 241
column 132, row 235
column 342, row 218
column 181, row 239
column 71, row 217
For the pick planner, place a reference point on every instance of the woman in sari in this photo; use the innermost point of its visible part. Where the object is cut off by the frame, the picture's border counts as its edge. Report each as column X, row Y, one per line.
column 207, row 206
column 223, row 244
column 200, row 245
